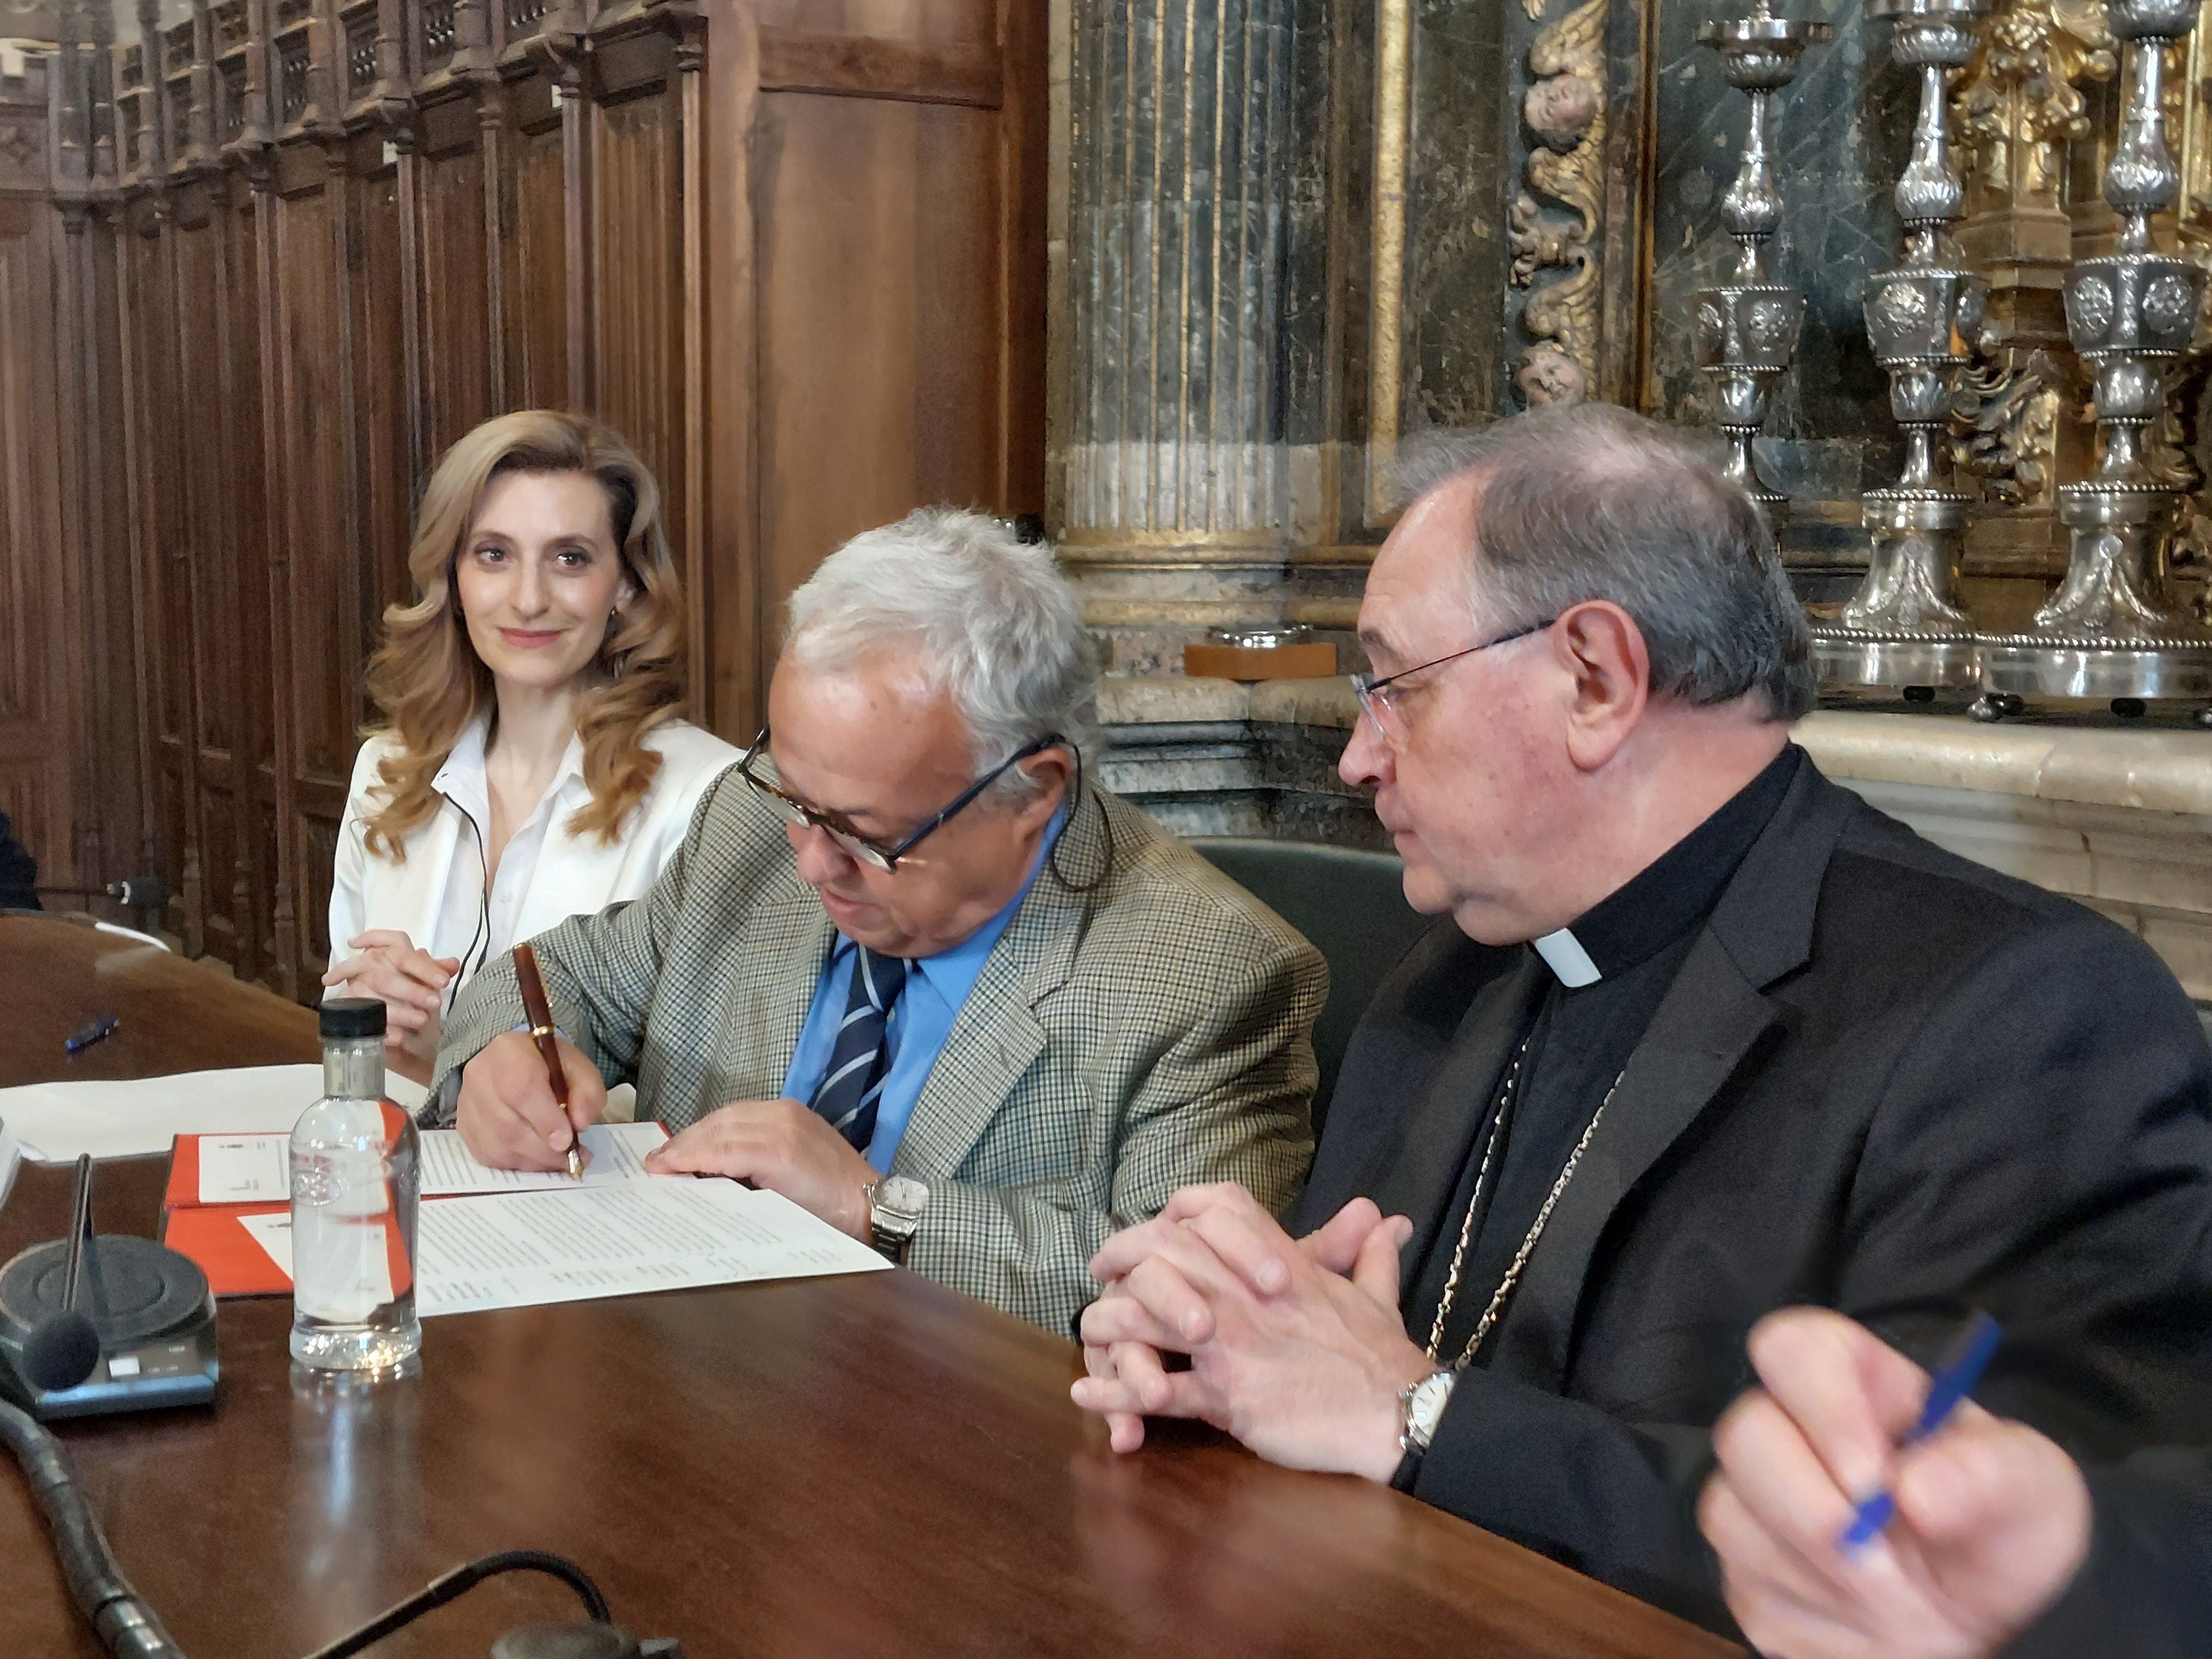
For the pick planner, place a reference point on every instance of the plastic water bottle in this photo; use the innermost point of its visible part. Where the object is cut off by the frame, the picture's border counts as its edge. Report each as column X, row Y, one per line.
column 356, row 1183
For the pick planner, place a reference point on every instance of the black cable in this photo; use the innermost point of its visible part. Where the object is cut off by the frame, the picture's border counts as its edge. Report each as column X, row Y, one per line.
column 125, row 1624
column 1052, row 859
column 483, row 930
column 461, row 1580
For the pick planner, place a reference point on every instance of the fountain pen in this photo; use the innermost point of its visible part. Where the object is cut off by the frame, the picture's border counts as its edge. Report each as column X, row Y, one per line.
column 540, row 1012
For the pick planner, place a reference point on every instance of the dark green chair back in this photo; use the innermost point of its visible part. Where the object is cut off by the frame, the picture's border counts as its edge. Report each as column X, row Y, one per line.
column 1349, row 903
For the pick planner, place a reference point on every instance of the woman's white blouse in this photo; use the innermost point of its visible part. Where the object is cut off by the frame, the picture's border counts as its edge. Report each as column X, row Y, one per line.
column 436, row 896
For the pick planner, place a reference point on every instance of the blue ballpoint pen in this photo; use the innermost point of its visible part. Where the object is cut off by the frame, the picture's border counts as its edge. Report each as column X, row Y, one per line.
column 100, row 1028
column 1952, row 1382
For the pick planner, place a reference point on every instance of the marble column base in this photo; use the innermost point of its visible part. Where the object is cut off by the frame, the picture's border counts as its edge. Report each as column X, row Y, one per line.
column 1215, row 757
column 1144, row 603
column 2120, row 819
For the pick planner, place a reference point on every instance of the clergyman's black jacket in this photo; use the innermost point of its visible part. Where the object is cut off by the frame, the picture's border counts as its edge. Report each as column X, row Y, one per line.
column 1886, row 1080
column 2146, row 1591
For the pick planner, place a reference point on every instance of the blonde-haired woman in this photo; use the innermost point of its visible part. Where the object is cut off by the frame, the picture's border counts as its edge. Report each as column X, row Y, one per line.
column 530, row 765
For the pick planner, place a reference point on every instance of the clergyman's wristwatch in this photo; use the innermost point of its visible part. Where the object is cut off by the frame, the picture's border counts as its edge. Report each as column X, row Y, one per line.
column 1420, row 1408
column 894, row 1206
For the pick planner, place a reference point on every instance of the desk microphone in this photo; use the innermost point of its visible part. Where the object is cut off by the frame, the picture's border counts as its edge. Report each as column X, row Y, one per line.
column 132, row 892
column 139, row 892
column 60, row 1351
column 94, row 1325
column 62, row 1348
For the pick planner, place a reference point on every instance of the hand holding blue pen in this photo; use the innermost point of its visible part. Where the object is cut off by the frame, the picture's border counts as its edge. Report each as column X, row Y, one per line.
column 1991, row 1519
column 1952, row 1381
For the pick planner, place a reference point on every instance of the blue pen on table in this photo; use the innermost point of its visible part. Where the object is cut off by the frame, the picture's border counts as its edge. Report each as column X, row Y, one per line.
column 1952, row 1381
column 98, row 1031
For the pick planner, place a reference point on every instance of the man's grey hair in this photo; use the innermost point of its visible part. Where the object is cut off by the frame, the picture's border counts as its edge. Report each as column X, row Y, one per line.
column 1588, row 501
column 998, row 625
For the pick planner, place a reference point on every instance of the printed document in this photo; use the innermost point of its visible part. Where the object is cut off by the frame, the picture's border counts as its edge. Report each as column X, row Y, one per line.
column 257, row 1169
column 138, row 1118
column 664, row 1233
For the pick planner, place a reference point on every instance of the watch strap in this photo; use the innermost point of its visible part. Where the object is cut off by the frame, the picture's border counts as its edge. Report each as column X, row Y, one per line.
column 889, row 1231
column 1409, row 1470
column 1412, row 1444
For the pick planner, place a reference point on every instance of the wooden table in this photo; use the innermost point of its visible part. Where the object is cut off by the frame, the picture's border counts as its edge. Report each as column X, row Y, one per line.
column 863, row 1466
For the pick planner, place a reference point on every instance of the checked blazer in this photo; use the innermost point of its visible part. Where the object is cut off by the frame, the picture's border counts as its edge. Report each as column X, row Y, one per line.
column 1152, row 1033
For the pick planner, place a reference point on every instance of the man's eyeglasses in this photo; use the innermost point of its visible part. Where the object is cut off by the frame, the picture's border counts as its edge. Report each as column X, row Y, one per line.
column 1382, row 700
column 758, row 768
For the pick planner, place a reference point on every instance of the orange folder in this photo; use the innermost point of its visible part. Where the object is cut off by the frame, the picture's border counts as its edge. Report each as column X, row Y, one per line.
column 184, row 1192
column 211, row 1235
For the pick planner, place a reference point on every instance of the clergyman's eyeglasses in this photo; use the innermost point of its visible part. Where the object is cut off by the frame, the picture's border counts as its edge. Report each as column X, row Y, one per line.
column 1384, row 700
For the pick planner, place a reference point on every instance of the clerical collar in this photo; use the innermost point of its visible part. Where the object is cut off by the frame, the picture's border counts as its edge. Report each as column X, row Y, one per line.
column 1673, row 894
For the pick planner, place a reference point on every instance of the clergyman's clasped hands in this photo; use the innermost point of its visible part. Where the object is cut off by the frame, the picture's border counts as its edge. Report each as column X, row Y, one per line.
column 1296, row 1346
column 509, row 1119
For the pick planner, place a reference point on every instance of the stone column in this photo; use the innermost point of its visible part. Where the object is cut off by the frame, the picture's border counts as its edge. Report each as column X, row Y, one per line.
column 1175, row 493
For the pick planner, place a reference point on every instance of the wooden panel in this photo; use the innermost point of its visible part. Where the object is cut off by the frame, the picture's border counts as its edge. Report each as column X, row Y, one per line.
column 319, row 840
column 923, row 71
column 246, row 502
column 212, row 319
column 890, row 20
column 30, row 495
column 638, row 285
column 155, row 849
column 114, row 773
column 198, row 297
column 726, row 677
column 895, row 354
column 536, row 277
column 880, row 295
column 35, row 743
column 628, row 63
column 385, row 508
column 324, row 582
column 456, row 351
column 312, row 469
column 146, row 329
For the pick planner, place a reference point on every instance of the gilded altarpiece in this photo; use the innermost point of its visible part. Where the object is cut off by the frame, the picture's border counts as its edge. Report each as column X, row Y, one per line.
column 1618, row 142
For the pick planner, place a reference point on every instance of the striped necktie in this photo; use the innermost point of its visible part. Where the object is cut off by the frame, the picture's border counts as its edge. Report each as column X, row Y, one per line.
column 860, row 1057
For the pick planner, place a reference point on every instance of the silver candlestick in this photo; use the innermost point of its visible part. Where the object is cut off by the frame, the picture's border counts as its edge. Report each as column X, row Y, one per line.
column 1747, row 330
column 1903, row 627
column 2114, row 629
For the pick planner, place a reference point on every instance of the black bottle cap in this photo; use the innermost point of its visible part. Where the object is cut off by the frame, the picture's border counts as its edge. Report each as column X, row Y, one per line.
column 348, row 1018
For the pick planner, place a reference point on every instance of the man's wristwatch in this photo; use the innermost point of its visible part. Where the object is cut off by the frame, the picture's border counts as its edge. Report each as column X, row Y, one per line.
column 894, row 1206
column 1420, row 1408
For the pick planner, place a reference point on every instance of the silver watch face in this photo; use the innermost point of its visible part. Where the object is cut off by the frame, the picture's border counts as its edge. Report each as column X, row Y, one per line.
column 900, row 1198
column 1426, row 1408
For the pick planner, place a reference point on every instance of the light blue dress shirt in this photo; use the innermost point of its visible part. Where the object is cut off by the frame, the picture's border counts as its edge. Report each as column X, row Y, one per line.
column 920, row 1019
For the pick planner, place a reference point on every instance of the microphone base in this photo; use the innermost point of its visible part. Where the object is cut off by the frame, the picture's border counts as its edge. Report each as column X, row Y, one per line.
column 157, row 1342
